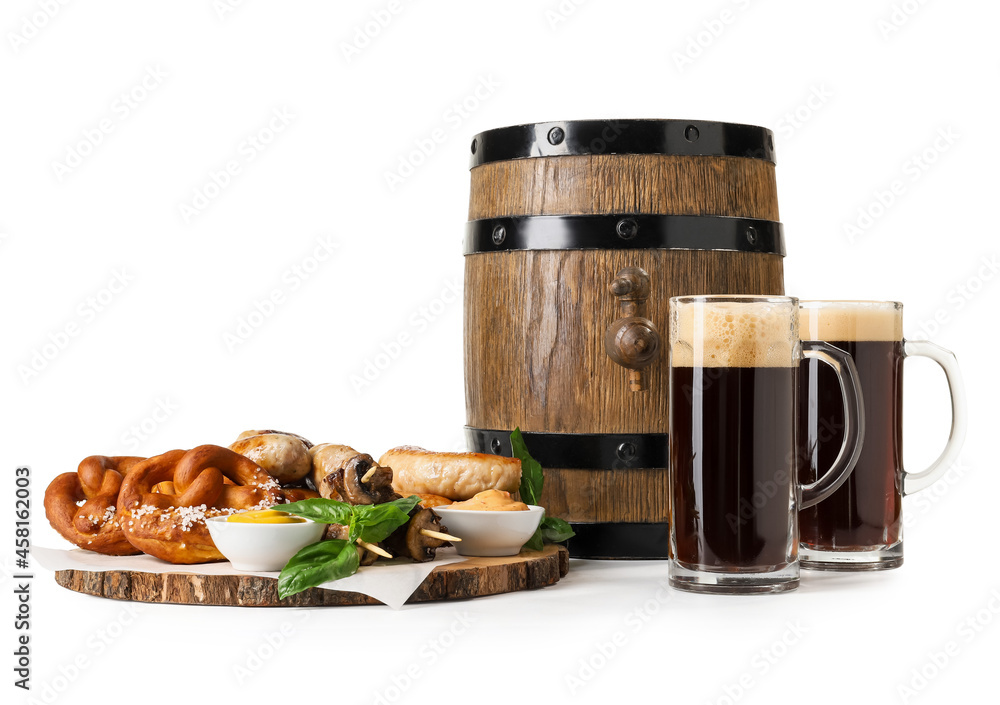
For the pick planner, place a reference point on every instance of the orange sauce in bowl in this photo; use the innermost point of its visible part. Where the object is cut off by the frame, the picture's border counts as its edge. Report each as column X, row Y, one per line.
column 491, row 501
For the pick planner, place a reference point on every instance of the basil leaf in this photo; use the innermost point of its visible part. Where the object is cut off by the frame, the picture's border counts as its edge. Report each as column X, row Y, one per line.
column 551, row 529
column 353, row 528
column 535, row 543
column 407, row 504
column 316, row 564
column 555, row 530
column 325, row 511
column 376, row 521
column 532, row 478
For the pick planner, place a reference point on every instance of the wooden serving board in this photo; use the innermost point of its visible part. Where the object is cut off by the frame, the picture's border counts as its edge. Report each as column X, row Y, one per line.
column 473, row 577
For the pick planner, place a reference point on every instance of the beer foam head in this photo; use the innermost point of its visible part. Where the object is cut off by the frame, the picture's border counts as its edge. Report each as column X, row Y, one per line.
column 845, row 321
column 732, row 333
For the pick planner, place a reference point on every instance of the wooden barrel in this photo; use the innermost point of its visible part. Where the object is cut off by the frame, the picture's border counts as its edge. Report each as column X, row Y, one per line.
column 579, row 233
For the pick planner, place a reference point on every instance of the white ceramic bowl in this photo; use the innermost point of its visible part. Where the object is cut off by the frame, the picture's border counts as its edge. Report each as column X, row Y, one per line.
column 486, row 533
column 261, row 547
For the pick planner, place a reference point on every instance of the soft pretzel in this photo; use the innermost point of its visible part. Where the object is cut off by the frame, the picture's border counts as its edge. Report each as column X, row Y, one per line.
column 83, row 506
column 285, row 456
column 172, row 526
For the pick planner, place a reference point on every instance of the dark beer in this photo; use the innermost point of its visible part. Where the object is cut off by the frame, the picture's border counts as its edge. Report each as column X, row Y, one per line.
column 864, row 514
column 859, row 526
column 732, row 464
column 734, row 432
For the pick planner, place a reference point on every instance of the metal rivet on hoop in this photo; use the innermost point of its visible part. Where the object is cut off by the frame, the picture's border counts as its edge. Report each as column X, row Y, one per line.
column 691, row 133
column 751, row 235
column 495, row 446
column 626, row 451
column 627, row 228
column 499, row 234
column 474, row 145
column 556, row 135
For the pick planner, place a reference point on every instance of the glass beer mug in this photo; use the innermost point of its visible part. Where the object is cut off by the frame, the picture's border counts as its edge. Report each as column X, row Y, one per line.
column 860, row 526
column 734, row 441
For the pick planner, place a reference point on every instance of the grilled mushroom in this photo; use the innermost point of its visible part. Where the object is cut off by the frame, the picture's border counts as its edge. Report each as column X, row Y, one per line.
column 408, row 540
column 370, row 491
column 328, row 458
column 335, row 531
column 344, row 474
column 366, row 557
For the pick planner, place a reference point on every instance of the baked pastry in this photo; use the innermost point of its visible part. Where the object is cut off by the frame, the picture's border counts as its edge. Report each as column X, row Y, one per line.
column 172, row 527
column 83, row 506
column 284, row 456
column 456, row 476
column 297, row 494
column 427, row 501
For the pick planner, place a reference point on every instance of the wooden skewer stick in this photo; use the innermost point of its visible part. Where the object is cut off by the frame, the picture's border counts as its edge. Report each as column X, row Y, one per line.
column 368, row 475
column 438, row 535
column 374, row 549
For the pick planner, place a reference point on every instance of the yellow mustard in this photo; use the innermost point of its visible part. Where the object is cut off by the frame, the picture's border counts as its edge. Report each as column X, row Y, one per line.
column 266, row 516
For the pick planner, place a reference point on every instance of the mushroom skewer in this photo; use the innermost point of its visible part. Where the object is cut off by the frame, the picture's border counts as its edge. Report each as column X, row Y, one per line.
column 342, row 473
column 419, row 538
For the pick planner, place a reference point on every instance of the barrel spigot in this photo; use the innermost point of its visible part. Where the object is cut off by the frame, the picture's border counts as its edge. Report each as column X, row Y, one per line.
column 632, row 341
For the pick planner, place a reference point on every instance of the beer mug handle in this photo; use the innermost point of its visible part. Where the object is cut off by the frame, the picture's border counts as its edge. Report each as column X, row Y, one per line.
column 916, row 481
column 854, row 421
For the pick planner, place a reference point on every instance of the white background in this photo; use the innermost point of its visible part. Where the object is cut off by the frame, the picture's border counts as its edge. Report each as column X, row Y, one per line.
column 886, row 77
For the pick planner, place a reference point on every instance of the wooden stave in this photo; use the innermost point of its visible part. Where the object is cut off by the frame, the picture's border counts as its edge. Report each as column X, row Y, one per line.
column 621, row 183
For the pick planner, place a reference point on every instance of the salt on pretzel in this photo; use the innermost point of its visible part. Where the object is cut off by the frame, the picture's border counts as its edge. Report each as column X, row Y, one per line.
column 83, row 506
column 172, row 527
